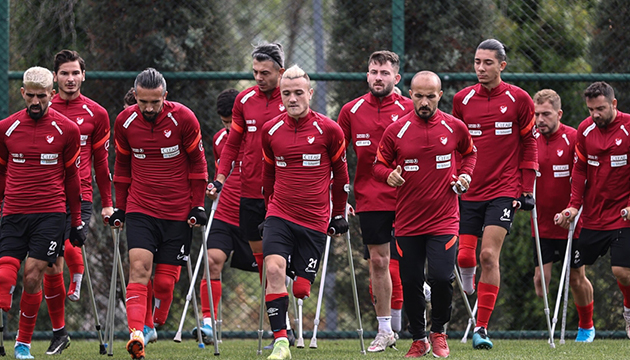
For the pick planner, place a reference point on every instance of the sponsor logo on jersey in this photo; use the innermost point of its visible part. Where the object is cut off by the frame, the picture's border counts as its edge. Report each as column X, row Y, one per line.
column 443, row 140
column 84, row 140
column 363, row 136
column 138, row 153
column 310, row 139
column 49, row 159
column 411, row 161
column 50, row 139
column 559, row 152
column 443, row 165
column 363, row 143
column 411, row 168
column 80, row 120
column 167, row 133
column 502, row 131
column 18, row 158
column 503, row 109
column 475, row 132
column 394, row 117
column 170, row 152
column 618, row 141
column 618, row 160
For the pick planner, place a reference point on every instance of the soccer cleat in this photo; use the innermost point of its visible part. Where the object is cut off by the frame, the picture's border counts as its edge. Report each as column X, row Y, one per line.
column 419, row 348
column 585, row 335
column 135, row 346
column 74, row 292
column 440, row 346
column 290, row 337
column 206, row 334
column 626, row 316
column 22, row 351
column 280, row 350
column 58, row 344
column 150, row 335
column 481, row 340
column 382, row 341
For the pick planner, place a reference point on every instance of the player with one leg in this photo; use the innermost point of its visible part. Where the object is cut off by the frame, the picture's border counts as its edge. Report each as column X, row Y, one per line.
column 500, row 118
column 600, row 186
column 422, row 147
column 93, row 122
column 39, row 176
column 160, row 178
column 363, row 121
column 301, row 148
column 556, row 151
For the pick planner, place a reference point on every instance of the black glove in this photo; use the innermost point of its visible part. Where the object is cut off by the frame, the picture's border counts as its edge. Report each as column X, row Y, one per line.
column 117, row 218
column 261, row 227
column 78, row 235
column 338, row 225
column 526, row 202
column 198, row 216
column 216, row 184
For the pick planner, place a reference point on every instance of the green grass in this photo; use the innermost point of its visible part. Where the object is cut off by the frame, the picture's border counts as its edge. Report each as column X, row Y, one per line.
column 343, row 349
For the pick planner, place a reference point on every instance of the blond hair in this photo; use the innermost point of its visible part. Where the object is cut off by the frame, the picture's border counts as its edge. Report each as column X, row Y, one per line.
column 38, row 77
column 295, row 72
column 548, row 95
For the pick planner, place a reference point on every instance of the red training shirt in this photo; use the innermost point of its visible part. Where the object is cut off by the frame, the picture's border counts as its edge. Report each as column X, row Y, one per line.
column 299, row 157
column 230, row 201
column 500, row 122
column 601, row 173
column 363, row 121
column 160, row 167
column 425, row 149
column 93, row 122
column 39, row 165
column 252, row 109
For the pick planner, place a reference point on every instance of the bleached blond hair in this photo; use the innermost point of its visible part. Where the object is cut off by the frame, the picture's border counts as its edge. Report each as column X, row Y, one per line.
column 38, row 77
column 295, row 72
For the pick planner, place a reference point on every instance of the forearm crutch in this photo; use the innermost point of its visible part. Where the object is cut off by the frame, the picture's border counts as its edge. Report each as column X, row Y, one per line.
column 470, row 322
column 320, row 296
column 471, row 316
column 204, row 243
column 2, row 352
column 262, row 309
column 111, row 308
column 220, row 316
column 354, row 287
column 542, row 272
column 568, row 277
column 97, row 324
column 191, row 295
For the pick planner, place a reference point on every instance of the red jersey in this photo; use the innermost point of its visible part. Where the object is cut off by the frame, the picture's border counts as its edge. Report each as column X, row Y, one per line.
column 500, row 122
column 160, row 168
column 39, row 164
column 601, row 173
column 425, row 149
column 299, row 157
column 363, row 121
column 556, row 155
column 252, row 109
column 230, row 203
column 93, row 122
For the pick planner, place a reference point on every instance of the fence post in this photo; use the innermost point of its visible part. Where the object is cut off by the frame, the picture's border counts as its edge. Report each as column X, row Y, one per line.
column 398, row 35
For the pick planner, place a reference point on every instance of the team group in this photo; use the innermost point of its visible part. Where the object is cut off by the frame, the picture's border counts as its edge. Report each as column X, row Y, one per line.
column 281, row 183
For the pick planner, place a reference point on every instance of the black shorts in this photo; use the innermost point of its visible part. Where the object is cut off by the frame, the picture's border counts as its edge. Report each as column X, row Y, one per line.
column 300, row 246
column 393, row 251
column 227, row 238
column 168, row 240
column 251, row 214
column 39, row 236
column 86, row 215
column 553, row 250
column 476, row 215
column 376, row 227
column 595, row 243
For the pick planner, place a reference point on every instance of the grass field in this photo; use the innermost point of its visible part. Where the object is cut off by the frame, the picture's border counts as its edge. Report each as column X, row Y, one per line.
column 343, row 349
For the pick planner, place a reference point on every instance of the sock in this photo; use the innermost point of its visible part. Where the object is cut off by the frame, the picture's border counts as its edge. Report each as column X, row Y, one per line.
column 9, row 267
column 301, row 288
column 216, row 294
column 372, row 294
column 467, row 256
column 277, row 305
column 625, row 290
column 487, row 297
column 468, row 279
column 585, row 313
column 259, row 260
column 163, row 284
column 74, row 259
column 384, row 324
column 55, row 292
column 29, row 307
column 205, row 301
column 397, row 320
column 148, row 313
column 136, row 303
column 397, row 291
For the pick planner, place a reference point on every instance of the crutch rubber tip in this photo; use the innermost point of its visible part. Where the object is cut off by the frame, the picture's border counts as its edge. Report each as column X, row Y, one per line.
column 102, row 349
column 216, row 354
column 2, row 352
column 202, row 346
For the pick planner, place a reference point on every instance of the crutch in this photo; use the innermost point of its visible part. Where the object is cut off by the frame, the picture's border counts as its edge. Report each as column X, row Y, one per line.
column 191, row 295
column 354, row 287
column 296, row 318
column 471, row 315
column 262, row 309
column 2, row 352
column 204, row 243
column 470, row 323
column 111, row 307
column 320, row 296
column 220, row 316
column 542, row 271
column 102, row 349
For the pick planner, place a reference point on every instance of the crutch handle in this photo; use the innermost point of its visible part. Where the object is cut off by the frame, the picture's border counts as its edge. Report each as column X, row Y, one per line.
column 192, row 220
column 624, row 213
column 556, row 218
column 117, row 223
column 567, row 213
